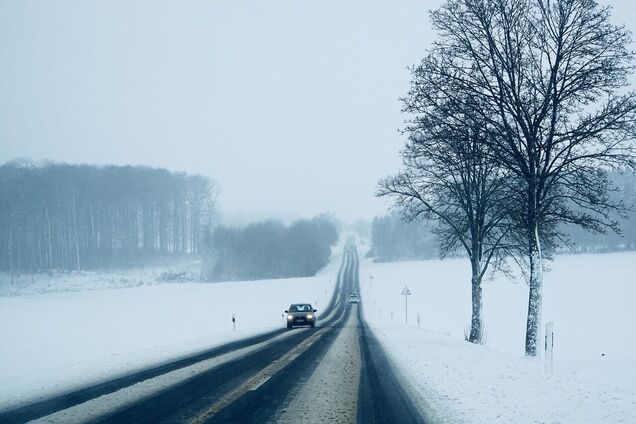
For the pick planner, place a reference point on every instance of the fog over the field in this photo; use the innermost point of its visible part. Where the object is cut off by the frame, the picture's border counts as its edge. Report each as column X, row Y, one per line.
column 290, row 105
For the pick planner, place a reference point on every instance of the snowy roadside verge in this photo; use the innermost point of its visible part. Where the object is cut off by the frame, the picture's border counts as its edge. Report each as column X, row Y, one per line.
column 57, row 342
column 457, row 382
column 460, row 382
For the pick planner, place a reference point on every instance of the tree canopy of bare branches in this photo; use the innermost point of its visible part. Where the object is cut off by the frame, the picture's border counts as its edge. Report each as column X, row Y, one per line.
column 549, row 80
column 449, row 177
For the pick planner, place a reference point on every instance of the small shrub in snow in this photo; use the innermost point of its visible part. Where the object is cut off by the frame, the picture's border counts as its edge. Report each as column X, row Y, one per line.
column 174, row 277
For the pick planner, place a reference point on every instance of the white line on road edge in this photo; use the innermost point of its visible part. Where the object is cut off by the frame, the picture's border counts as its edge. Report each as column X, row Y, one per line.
column 260, row 384
column 291, row 358
column 259, row 379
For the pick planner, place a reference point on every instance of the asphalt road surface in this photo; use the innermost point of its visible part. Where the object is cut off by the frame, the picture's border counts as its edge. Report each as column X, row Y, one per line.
column 334, row 373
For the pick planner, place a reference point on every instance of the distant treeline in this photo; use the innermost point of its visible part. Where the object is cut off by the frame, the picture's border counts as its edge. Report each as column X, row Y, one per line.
column 580, row 240
column 74, row 217
column 393, row 239
column 269, row 249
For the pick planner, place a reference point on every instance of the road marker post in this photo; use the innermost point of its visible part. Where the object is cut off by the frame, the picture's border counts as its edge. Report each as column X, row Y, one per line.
column 549, row 347
column 233, row 323
column 371, row 291
column 406, row 293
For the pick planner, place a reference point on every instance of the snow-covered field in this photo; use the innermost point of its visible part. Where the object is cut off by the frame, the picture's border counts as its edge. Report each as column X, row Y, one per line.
column 70, row 336
column 590, row 298
column 65, row 281
column 60, row 340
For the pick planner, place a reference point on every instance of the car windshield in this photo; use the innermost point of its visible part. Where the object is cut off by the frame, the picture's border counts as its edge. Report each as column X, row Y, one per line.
column 300, row 308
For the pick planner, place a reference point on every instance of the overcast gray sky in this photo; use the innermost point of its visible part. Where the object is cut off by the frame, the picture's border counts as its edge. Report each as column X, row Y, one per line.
column 289, row 105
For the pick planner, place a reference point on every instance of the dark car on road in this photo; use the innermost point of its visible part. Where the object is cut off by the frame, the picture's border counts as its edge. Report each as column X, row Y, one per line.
column 301, row 314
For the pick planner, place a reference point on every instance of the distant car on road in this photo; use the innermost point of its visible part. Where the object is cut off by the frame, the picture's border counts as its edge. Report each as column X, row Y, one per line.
column 301, row 314
column 354, row 298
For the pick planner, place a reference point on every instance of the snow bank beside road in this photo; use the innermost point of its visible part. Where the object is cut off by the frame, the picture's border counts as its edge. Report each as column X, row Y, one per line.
column 465, row 383
column 591, row 300
column 53, row 342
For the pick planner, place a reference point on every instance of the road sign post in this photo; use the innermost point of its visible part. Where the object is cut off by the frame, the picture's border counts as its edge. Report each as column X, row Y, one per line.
column 406, row 293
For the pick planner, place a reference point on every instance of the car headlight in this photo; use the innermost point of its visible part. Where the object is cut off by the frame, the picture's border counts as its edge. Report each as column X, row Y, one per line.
column 310, row 316
column 290, row 316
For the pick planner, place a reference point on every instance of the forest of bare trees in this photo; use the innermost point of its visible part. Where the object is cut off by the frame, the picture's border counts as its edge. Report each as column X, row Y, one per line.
column 395, row 239
column 56, row 216
column 269, row 249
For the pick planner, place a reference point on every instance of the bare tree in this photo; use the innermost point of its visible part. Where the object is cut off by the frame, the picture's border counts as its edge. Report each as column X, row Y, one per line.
column 449, row 177
column 548, row 77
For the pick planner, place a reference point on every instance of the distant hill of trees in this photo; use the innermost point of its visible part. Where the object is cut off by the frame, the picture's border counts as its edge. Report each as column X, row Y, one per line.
column 584, row 241
column 75, row 217
column 393, row 239
column 269, row 249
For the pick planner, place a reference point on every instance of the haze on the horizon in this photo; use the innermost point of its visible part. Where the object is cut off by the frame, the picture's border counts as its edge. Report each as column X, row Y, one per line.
column 289, row 105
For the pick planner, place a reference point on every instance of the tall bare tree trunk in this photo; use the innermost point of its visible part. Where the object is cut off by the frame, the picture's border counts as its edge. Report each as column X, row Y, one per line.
column 93, row 238
column 77, row 244
column 535, row 283
column 11, row 245
column 476, row 316
column 48, row 237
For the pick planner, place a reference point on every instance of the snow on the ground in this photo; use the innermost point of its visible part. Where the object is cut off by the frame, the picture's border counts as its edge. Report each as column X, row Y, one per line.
column 72, row 281
column 57, row 341
column 590, row 298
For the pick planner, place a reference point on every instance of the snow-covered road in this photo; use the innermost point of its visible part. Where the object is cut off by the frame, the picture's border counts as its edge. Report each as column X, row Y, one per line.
column 330, row 395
